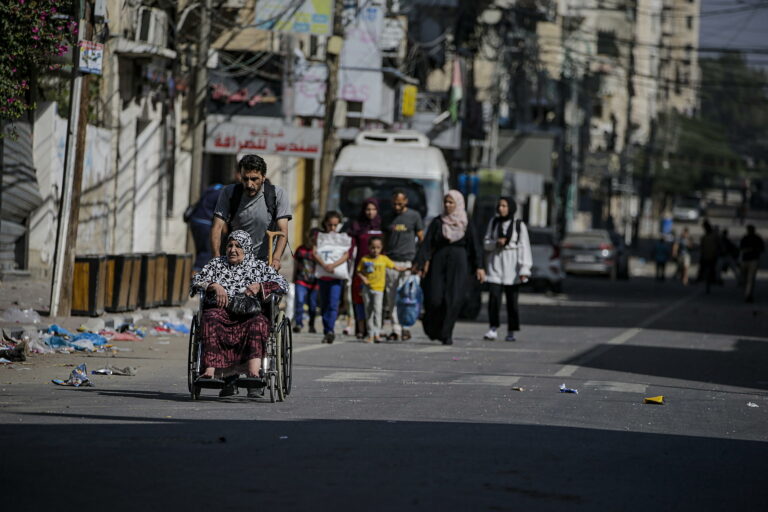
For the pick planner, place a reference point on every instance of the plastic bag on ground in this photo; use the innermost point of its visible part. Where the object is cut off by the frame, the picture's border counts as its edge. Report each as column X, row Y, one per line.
column 21, row 316
column 408, row 301
column 78, row 378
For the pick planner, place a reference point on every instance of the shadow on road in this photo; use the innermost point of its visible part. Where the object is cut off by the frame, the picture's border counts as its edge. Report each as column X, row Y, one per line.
column 743, row 366
column 373, row 465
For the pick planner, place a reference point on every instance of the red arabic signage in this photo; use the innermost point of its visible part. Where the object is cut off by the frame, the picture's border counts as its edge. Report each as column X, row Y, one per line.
column 261, row 135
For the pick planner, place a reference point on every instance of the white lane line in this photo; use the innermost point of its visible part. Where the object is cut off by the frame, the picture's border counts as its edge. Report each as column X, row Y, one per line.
column 353, row 377
column 620, row 387
column 308, row 347
column 625, row 336
column 487, row 380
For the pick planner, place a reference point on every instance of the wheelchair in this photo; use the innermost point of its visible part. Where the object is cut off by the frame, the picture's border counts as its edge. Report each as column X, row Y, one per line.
column 276, row 369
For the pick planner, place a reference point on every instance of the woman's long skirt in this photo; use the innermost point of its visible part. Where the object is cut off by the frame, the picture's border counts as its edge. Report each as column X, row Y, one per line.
column 444, row 289
column 231, row 340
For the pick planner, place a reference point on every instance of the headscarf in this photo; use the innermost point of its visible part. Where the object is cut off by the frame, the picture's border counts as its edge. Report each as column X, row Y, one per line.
column 498, row 220
column 243, row 238
column 234, row 278
column 455, row 224
column 363, row 224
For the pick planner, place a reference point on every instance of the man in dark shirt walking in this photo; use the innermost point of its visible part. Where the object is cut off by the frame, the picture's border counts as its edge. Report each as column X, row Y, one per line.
column 402, row 231
column 752, row 247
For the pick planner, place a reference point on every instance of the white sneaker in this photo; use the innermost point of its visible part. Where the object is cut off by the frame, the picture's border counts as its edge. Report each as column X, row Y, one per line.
column 490, row 335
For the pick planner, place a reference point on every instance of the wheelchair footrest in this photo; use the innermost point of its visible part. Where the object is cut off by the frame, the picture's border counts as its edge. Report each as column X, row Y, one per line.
column 209, row 383
column 250, row 382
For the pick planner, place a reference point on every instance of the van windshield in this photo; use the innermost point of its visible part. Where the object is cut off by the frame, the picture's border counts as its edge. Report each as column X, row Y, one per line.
column 349, row 192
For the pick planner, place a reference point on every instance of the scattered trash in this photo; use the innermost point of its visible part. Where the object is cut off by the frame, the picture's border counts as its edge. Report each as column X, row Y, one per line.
column 61, row 331
column 128, row 371
column 283, row 437
column 564, row 389
column 170, row 328
column 15, row 353
column 518, row 388
column 752, row 404
column 163, row 342
column 654, row 400
column 4, row 360
column 120, row 336
column 21, row 316
column 78, row 377
column 38, row 346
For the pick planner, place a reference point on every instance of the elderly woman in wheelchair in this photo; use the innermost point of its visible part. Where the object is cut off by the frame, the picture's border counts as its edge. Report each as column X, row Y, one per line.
column 233, row 329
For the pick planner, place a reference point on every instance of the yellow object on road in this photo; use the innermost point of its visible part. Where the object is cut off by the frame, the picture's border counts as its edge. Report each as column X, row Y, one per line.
column 657, row 400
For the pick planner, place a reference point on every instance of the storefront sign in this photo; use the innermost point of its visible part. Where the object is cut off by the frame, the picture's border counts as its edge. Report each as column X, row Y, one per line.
column 261, row 135
column 312, row 17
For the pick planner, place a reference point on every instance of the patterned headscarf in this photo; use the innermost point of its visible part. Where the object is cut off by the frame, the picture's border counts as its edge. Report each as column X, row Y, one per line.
column 234, row 278
column 243, row 238
column 455, row 224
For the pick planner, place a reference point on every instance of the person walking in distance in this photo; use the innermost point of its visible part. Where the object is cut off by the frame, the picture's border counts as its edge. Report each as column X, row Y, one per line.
column 661, row 257
column 709, row 251
column 449, row 253
column 254, row 205
column 199, row 217
column 402, row 230
column 371, row 270
column 362, row 230
column 508, row 262
column 331, row 254
column 682, row 254
column 305, row 283
column 751, row 247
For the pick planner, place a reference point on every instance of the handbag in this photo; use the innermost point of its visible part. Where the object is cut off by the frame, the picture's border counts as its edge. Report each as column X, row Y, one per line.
column 238, row 304
column 241, row 304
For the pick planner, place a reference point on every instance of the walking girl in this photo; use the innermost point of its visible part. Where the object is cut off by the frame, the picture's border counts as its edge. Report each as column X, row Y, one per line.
column 449, row 253
column 508, row 265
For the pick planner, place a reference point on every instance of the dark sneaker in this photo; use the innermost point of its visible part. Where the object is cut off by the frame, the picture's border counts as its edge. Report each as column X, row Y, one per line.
column 406, row 335
column 510, row 337
column 230, row 387
column 329, row 337
column 448, row 341
column 393, row 336
column 297, row 329
column 312, row 329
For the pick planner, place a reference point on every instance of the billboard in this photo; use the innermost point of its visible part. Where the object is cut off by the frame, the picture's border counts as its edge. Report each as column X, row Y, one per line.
column 301, row 17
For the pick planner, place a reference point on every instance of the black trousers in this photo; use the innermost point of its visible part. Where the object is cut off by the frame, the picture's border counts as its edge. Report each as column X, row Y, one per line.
column 494, row 305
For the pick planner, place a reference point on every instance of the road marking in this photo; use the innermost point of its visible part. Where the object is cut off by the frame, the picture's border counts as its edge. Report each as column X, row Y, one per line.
column 620, row 387
column 487, row 380
column 353, row 377
column 308, row 347
column 439, row 348
column 570, row 369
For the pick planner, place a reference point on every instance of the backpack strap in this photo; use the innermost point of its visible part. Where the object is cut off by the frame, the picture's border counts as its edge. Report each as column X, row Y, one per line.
column 270, row 199
column 234, row 203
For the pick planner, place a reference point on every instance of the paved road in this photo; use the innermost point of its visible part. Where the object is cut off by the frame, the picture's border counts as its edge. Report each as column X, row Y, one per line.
column 420, row 426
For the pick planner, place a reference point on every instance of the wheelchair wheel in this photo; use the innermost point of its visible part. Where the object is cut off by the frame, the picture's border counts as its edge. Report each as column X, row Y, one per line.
column 279, row 367
column 193, row 359
column 287, row 356
column 272, row 390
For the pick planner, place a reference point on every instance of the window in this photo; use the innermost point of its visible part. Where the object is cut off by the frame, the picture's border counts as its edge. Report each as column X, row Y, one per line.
column 689, row 22
column 606, row 44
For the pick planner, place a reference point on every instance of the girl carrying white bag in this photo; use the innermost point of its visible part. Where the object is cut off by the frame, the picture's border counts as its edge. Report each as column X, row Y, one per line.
column 330, row 248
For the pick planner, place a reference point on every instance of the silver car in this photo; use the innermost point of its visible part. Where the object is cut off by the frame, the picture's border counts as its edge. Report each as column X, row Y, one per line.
column 589, row 252
column 547, row 270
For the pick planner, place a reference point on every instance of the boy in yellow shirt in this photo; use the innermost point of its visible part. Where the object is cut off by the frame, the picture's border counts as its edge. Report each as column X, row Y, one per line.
column 372, row 271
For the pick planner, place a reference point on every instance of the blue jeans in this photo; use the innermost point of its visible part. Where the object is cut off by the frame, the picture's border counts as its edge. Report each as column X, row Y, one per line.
column 330, row 296
column 304, row 295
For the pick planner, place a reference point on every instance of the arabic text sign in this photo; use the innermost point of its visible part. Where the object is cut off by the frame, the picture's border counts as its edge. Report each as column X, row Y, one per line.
column 313, row 17
column 91, row 57
column 263, row 136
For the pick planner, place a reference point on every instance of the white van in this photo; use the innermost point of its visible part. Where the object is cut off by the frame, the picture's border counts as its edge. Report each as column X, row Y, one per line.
column 380, row 162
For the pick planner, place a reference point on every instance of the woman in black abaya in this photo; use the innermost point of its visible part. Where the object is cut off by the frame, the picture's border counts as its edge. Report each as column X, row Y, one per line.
column 450, row 251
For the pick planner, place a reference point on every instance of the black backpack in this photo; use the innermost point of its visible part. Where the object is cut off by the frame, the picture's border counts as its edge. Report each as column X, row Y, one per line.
column 270, row 198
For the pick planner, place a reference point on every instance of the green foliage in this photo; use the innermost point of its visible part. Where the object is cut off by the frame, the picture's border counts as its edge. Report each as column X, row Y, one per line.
column 735, row 97
column 32, row 33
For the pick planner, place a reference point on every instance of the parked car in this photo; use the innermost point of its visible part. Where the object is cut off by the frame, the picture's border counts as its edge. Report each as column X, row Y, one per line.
column 595, row 252
column 547, row 270
column 687, row 209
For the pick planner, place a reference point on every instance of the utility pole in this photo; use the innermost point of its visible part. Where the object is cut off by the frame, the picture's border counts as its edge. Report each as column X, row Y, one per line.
column 198, row 102
column 69, row 208
column 332, row 60
column 626, row 165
